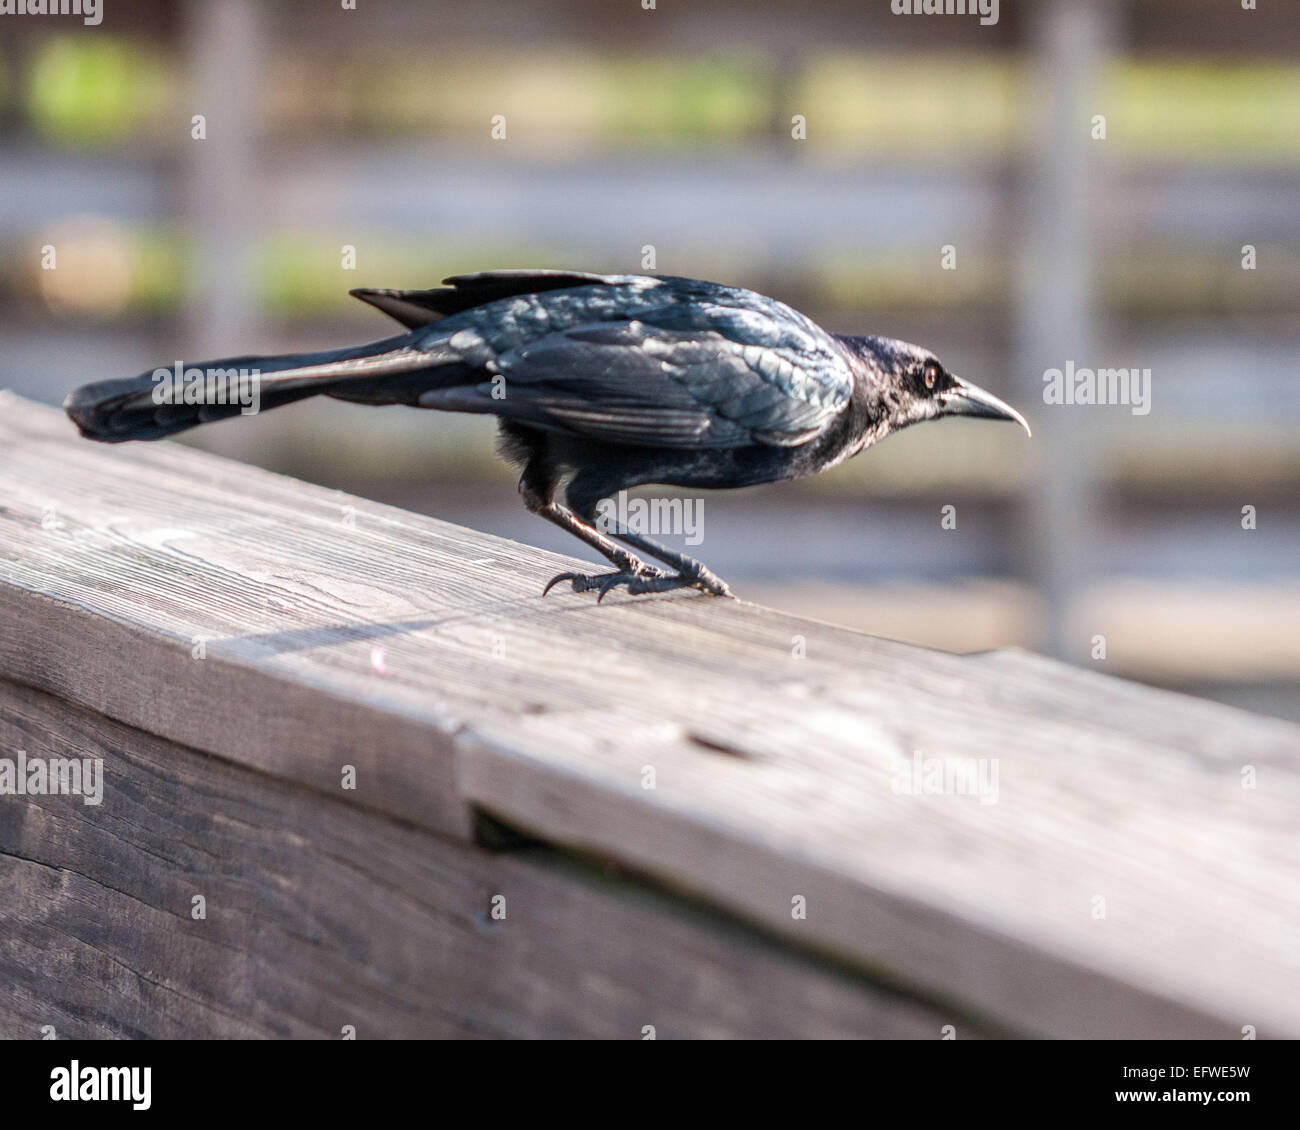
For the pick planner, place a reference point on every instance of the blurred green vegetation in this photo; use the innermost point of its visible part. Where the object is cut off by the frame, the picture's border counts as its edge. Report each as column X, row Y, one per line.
column 101, row 89
column 1208, row 109
column 932, row 105
column 300, row 274
column 927, row 105
column 558, row 98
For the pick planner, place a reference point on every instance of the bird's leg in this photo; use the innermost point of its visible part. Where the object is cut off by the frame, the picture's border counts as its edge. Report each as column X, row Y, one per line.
column 628, row 564
column 690, row 573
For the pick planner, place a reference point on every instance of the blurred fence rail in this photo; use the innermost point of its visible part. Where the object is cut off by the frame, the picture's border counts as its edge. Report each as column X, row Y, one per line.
column 357, row 772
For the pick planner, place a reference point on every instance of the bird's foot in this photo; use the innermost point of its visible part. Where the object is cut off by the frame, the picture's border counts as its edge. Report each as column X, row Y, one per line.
column 602, row 582
column 707, row 582
column 646, row 581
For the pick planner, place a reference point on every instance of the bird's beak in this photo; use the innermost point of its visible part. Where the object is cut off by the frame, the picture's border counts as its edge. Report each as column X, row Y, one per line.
column 966, row 399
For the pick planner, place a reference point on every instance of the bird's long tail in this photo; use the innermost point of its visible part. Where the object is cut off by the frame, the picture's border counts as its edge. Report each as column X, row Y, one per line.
column 166, row 401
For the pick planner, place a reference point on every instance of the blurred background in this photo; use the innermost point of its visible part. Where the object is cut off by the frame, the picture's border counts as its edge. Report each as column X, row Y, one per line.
column 350, row 148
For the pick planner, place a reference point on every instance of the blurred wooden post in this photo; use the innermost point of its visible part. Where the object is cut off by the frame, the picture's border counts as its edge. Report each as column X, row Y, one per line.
column 224, row 40
column 1056, row 314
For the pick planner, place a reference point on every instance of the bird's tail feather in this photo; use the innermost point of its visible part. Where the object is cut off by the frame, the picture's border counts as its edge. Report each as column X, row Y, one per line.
column 166, row 401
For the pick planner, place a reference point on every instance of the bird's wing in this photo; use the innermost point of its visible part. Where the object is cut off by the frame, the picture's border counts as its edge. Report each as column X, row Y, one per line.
column 706, row 376
column 415, row 308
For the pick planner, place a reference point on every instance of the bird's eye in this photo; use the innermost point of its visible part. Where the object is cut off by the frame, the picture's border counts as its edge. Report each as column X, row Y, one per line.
column 930, row 375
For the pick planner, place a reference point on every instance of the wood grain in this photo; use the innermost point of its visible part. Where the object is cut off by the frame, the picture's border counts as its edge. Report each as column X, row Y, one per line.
column 320, row 914
column 774, row 742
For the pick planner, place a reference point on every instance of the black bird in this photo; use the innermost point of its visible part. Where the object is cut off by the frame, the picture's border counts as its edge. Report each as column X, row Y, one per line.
column 600, row 383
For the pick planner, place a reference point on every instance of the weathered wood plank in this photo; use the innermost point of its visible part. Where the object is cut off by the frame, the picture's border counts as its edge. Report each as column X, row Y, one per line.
column 775, row 742
column 320, row 914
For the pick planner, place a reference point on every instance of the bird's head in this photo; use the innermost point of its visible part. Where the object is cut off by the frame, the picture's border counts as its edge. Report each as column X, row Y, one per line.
column 910, row 384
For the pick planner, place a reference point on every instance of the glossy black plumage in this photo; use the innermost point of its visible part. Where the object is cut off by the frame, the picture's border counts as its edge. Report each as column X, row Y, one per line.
column 601, row 383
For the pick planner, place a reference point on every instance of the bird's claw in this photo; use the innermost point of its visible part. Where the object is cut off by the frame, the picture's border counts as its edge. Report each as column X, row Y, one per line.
column 639, row 583
column 576, row 578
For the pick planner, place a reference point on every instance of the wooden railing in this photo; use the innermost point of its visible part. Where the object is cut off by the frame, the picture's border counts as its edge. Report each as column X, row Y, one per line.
column 360, row 776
